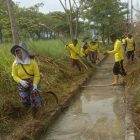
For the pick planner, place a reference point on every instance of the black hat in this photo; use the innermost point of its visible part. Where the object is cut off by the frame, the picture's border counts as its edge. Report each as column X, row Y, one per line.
column 20, row 46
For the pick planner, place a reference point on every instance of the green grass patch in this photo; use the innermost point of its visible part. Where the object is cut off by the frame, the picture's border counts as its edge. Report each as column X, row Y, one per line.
column 54, row 48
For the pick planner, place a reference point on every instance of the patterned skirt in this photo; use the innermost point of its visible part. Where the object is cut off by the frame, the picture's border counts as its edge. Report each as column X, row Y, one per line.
column 28, row 97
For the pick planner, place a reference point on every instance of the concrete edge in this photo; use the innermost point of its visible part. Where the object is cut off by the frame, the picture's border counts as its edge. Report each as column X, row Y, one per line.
column 129, row 131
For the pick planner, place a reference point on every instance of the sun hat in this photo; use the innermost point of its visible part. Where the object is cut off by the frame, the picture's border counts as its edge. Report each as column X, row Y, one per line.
column 20, row 46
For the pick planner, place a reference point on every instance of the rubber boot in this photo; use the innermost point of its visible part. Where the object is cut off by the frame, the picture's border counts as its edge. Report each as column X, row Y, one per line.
column 116, row 80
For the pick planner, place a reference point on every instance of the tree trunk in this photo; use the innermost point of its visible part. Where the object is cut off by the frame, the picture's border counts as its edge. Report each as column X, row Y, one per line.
column 77, row 23
column 71, row 21
column 69, row 17
column 13, row 22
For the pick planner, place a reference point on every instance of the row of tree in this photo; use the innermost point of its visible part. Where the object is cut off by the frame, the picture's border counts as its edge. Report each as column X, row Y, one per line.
column 79, row 18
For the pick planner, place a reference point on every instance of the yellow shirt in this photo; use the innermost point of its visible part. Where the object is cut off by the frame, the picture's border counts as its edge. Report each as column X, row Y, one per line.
column 118, row 51
column 94, row 47
column 124, row 41
column 130, row 44
column 18, row 72
column 83, row 52
column 74, row 51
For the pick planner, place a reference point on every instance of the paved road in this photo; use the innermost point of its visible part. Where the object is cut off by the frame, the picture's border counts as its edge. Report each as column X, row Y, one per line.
column 97, row 114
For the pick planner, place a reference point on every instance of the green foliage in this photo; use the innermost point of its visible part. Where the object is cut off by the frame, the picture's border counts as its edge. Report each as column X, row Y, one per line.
column 32, row 24
column 5, row 31
column 107, row 16
column 59, row 20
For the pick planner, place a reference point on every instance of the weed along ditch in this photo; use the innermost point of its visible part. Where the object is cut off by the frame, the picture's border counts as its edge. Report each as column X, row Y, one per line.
column 96, row 113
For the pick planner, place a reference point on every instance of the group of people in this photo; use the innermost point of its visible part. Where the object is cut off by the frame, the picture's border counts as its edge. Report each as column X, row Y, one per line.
column 122, row 47
column 90, row 50
column 26, row 73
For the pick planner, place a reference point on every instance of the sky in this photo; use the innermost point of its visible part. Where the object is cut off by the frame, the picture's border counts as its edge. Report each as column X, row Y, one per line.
column 54, row 5
column 49, row 5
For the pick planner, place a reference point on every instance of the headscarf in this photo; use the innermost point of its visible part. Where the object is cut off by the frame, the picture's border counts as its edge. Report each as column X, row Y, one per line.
column 25, row 57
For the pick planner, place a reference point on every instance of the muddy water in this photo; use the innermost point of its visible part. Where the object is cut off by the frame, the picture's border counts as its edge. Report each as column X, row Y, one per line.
column 97, row 114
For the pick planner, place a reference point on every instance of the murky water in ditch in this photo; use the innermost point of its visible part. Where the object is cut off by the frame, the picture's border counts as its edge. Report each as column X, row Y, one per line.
column 97, row 114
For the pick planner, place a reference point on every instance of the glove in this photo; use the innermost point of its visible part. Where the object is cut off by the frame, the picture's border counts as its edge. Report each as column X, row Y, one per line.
column 24, row 83
column 34, row 87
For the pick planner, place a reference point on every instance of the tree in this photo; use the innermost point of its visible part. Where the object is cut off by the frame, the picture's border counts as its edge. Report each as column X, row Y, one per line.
column 73, row 9
column 5, row 31
column 13, row 22
column 107, row 16
column 35, row 25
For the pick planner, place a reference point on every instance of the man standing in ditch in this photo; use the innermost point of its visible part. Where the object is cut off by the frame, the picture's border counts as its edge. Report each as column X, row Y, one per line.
column 74, row 53
column 118, row 53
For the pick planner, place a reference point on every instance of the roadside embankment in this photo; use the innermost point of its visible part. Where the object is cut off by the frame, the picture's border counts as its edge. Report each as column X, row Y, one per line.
column 132, row 98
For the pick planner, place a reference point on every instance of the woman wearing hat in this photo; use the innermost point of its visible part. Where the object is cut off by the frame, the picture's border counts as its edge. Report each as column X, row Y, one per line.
column 26, row 73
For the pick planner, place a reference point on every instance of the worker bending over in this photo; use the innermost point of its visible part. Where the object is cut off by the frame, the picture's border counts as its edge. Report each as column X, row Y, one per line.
column 74, row 53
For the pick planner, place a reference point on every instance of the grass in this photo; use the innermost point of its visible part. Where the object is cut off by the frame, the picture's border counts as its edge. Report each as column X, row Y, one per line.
column 54, row 48
column 5, row 69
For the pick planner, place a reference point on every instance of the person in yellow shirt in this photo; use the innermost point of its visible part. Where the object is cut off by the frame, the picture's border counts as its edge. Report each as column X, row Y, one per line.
column 25, row 72
column 123, row 39
column 118, row 52
column 93, row 51
column 74, row 53
column 130, row 48
column 84, row 50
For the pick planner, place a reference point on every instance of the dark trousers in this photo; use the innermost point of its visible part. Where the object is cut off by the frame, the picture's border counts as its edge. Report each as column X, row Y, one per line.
column 130, row 55
column 75, row 62
column 119, row 69
column 93, row 56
